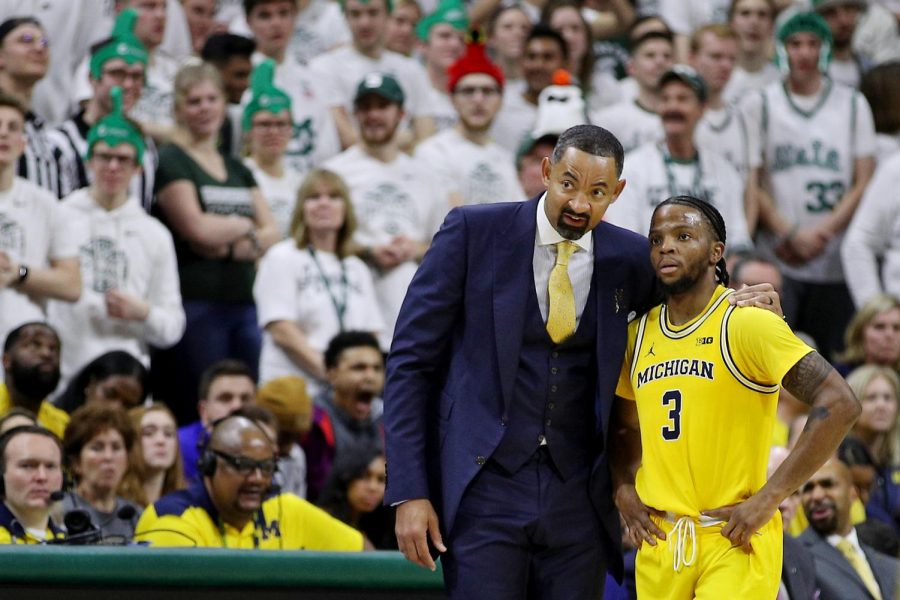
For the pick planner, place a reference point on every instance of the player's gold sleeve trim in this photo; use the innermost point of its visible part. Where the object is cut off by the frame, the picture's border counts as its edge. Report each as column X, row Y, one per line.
column 732, row 365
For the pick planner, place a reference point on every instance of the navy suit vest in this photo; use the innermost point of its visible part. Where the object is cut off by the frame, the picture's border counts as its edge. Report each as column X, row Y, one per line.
column 553, row 395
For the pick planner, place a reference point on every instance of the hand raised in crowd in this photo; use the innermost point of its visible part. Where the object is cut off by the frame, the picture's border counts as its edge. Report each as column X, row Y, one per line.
column 639, row 527
column 122, row 305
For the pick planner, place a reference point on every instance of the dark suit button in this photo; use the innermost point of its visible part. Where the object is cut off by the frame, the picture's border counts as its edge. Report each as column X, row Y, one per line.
column 554, row 370
column 479, row 460
column 503, row 422
column 541, row 439
column 548, row 422
column 551, row 405
column 555, row 354
column 552, row 388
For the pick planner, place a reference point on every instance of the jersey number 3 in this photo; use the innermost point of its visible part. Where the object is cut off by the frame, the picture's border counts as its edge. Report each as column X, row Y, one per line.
column 672, row 401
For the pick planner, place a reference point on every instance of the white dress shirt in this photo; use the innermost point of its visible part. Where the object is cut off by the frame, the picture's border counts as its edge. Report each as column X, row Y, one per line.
column 581, row 263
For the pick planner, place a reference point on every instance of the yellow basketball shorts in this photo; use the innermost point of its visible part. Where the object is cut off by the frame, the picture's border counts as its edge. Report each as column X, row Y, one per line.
column 697, row 561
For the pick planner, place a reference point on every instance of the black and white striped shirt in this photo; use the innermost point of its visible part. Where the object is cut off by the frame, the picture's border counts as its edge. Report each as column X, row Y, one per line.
column 40, row 162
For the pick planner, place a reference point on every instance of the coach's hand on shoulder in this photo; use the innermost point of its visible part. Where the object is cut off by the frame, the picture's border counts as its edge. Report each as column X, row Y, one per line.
column 416, row 523
column 745, row 519
column 639, row 527
column 762, row 295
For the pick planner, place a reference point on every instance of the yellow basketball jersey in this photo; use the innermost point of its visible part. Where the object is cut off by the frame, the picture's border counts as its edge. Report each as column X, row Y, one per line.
column 706, row 395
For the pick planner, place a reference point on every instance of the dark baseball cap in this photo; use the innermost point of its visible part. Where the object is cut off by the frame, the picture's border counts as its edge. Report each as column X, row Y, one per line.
column 380, row 84
column 688, row 76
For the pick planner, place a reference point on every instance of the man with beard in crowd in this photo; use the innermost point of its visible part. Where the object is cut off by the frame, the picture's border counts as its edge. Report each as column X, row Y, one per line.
column 31, row 362
column 346, row 423
column 659, row 170
column 845, row 568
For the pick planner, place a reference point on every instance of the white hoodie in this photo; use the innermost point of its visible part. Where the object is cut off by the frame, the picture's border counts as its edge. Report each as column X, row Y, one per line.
column 128, row 250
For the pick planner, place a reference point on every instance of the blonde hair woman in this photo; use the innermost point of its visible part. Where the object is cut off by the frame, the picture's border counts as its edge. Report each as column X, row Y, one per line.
column 221, row 226
column 878, row 390
column 873, row 335
column 310, row 287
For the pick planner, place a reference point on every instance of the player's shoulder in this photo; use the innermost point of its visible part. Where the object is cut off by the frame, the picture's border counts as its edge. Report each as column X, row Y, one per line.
column 751, row 320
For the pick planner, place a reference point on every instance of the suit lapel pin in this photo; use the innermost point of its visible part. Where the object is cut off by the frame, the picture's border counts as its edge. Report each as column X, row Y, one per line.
column 619, row 299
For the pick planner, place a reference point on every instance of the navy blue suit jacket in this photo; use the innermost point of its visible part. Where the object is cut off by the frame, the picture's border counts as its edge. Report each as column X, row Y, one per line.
column 453, row 362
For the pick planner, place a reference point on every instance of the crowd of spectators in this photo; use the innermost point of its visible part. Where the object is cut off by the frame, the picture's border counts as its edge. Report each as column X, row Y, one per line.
column 214, row 207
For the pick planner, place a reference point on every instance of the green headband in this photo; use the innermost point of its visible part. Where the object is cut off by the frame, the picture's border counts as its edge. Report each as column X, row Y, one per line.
column 115, row 129
column 266, row 96
column 805, row 22
column 451, row 12
column 122, row 44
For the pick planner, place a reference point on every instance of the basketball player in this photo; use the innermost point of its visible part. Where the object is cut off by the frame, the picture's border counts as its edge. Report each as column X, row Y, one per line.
column 693, row 422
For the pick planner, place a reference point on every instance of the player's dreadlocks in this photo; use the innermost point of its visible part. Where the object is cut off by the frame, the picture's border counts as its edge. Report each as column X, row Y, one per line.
column 716, row 223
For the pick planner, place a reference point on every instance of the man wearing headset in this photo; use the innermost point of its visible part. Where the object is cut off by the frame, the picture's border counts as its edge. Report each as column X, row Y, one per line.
column 30, row 463
column 235, row 506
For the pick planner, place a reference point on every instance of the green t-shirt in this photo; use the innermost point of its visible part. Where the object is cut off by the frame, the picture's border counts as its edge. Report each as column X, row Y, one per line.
column 210, row 279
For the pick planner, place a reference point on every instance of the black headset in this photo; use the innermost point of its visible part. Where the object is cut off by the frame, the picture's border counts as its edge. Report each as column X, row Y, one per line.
column 206, row 464
column 7, row 437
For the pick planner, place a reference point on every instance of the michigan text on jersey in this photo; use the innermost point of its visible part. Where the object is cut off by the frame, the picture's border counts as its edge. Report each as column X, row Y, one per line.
column 678, row 366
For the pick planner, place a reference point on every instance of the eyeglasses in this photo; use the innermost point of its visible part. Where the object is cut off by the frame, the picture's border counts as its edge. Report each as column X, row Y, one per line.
column 120, row 75
column 106, row 158
column 245, row 466
column 30, row 39
column 487, row 91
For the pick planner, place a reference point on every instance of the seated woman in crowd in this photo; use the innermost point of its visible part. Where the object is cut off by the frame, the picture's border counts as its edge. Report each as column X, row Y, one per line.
column 96, row 446
column 354, row 494
column 116, row 378
column 507, row 29
column 873, row 336
column 221, row 225
column 878, row 389
column 310, row 287
column 156, row 467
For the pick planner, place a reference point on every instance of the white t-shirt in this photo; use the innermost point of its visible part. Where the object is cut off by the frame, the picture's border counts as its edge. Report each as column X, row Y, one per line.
column 741, row 82
column 398, row 198
column 340, row 71
column 279, row 192
column 34, row 229
column 515, row 119
column 724, row 131
column 127, row 250
column 442, row 110
column 319, row 27
column 651, row 179
column 477, row 174
column 295, row 285
column 631, row 123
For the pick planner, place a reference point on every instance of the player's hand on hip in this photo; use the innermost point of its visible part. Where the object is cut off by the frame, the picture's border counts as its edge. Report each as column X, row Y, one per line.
column 639, row 527
column 416, row 523
column 762, row 295
column 744, row 520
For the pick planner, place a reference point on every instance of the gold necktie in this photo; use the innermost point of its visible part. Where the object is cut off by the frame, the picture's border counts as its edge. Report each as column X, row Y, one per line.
column 561, row 316
column 861, row 566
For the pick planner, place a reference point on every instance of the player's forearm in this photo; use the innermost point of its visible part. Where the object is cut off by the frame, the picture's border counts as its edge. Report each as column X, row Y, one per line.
column 834, row 410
